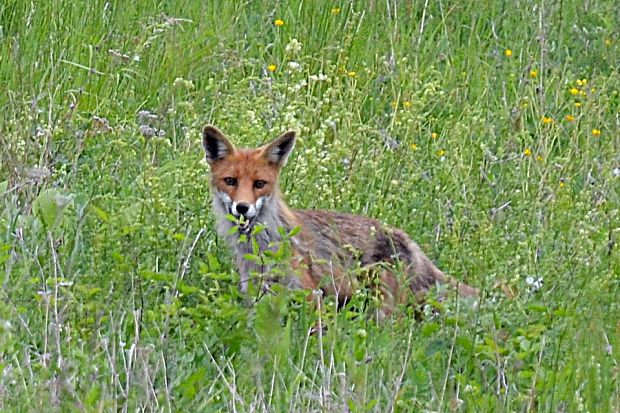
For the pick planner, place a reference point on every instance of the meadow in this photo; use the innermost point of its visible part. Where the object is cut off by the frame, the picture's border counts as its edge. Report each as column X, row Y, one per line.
column 488, row 130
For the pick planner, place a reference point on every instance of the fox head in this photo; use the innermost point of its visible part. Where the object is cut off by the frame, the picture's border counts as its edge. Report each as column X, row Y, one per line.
column 244, row 180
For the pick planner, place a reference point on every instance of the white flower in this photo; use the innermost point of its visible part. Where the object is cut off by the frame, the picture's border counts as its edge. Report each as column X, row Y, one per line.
column 294, row 46
column 180, row 82
column 318, row 78
column 294, row 66
column 617, row 171
column 534, row 283
column 299, row 86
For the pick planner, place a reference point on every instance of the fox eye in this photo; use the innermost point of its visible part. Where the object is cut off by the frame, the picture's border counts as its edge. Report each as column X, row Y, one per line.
column 230, row 181
column 259, row 184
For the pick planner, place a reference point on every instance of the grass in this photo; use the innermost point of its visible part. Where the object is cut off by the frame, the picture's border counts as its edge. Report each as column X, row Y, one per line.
column 487, row 130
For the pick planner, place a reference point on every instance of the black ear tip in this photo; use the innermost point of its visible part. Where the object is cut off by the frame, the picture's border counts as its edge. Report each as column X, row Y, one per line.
column 210, row 131
column 288, row 138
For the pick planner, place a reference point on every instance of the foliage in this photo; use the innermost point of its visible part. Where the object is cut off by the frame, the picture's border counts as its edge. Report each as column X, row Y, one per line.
column 487, row 131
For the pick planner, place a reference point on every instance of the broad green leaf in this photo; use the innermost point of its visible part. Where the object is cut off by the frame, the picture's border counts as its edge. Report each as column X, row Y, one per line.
column 49, row 207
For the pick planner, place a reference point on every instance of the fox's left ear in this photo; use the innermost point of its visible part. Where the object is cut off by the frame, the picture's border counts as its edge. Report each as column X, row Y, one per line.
column 279, row 150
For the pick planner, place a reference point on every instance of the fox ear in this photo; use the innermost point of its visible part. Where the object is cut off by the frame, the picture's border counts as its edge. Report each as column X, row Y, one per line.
column 279, row 150
column 215, row 144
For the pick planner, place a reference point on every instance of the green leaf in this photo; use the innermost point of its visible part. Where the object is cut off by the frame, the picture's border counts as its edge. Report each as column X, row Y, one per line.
column 101, row 214
column 49, row 207
column 93, row 396
column 538, row 308
column 186, row 288
column 429, row 329
column 294, row 231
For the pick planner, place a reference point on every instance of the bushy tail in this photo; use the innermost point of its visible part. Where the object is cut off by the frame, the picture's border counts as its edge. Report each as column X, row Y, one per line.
column 426, row 275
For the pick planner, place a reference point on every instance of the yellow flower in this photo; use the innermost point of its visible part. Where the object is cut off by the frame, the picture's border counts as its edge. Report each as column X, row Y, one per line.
column 547, row 119
column 569, row 118
column 539, row 158
column 434, row 135
column 574, row 91
column 533, row 74
column 336, row 10
column 608, row 42
column 272, row 68
column 279, row 22
column 413, row 147
column 562, row 183
column 577, row 104
column 393, row 104
column 351, row 73
column 582, row 82
column 508, row 52
column 407, row 103
column 527, row 152
column 441, row 152
column 596, row 132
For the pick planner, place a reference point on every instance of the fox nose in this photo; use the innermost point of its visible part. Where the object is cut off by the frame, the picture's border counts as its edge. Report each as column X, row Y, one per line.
column 242, row 208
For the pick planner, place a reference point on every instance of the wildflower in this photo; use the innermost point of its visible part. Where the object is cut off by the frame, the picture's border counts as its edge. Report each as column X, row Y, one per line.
column 145, row 117
column 279, row 22
column 608, row 42
column 294, row 46
column 147, row 131
column 434, row 135
column 179, row 82
column 547, row 120
column 294, row 66
column 562, row 183
column 534, row 283
column 393, row 104
column 407, row 103
column 596, row 132
column 539, row 158
column 577, row 104
column 574, row 91
column 335, row 10
column 413, row 147
column 617, row 172
column 508, row 52
column 272, row 68
column 441, row 152
column 318, row 78
column 582, row 82
column 527, row 152
column 569, row 118
column 533, row 74
column 351, row 74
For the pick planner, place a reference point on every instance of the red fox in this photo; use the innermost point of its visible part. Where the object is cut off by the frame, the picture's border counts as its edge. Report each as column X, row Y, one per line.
column 332, row 251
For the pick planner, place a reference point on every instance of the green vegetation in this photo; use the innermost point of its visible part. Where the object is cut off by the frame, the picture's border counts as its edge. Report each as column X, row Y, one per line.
column 487, row 130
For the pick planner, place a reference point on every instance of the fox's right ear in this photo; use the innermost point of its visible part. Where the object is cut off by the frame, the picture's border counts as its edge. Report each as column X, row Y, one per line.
column 215, row 144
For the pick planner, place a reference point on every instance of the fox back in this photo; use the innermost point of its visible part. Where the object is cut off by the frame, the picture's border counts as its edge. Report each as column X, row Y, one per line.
column 332, row 251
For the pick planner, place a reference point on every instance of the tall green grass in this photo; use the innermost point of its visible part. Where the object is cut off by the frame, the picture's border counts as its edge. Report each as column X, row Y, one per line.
column 487, row 130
